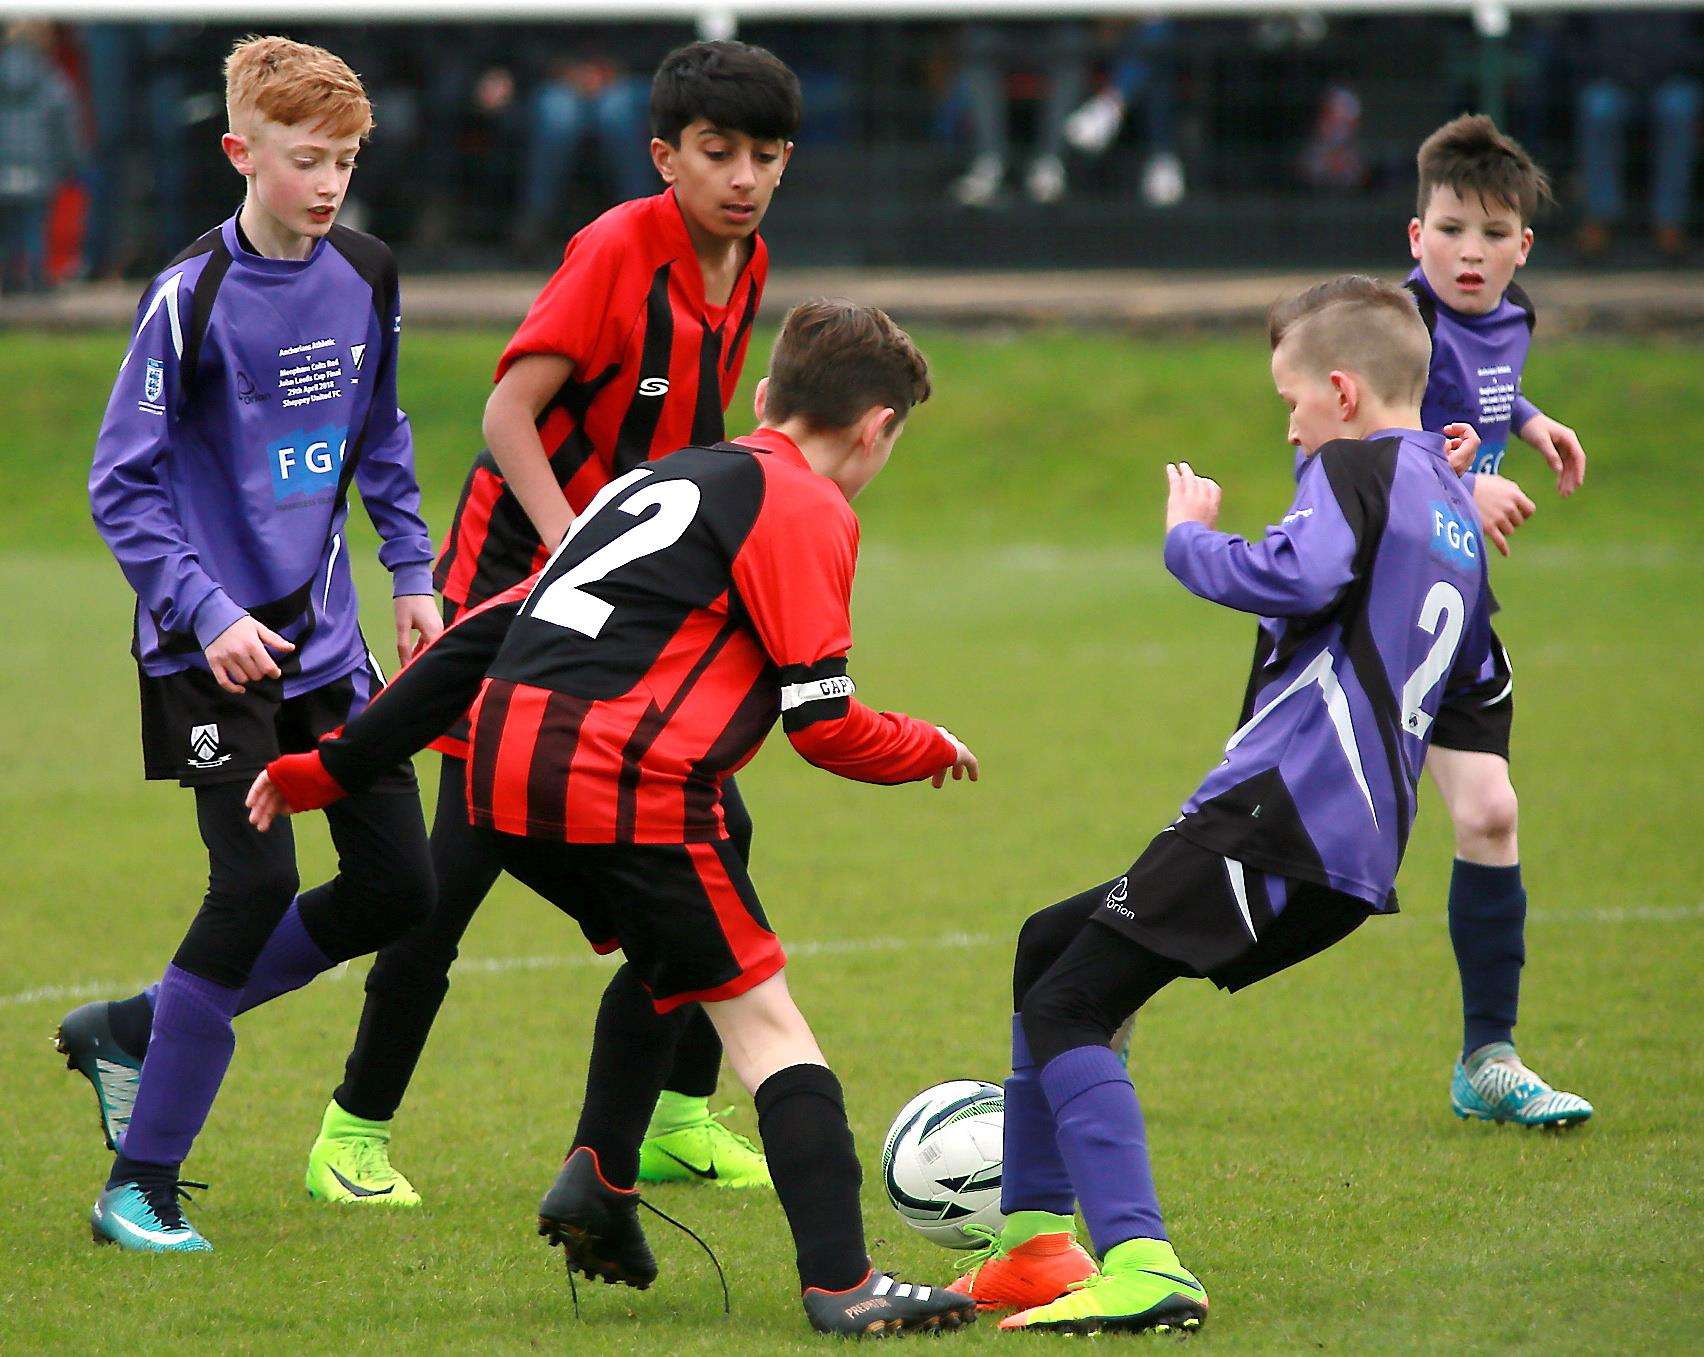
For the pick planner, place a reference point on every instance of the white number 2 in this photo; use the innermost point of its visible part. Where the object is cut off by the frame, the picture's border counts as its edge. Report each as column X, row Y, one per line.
column 1442, row 614
column 564, row 602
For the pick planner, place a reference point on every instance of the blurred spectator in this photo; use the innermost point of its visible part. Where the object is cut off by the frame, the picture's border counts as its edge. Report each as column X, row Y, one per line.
column 138, row 89
column 1333, row 157
column 38, row 151
column 1639, row 63
column 583, row 99
column 992, row 55
column 1142, row 73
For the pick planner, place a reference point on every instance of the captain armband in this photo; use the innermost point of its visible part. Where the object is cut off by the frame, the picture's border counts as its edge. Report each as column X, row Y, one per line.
column 815, row 692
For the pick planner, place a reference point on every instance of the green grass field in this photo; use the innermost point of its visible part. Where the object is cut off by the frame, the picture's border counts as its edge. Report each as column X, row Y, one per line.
column 1011, row 587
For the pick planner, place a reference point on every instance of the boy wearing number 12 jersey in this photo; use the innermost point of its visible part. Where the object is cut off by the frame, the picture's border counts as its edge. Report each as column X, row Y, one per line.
column 696, row 601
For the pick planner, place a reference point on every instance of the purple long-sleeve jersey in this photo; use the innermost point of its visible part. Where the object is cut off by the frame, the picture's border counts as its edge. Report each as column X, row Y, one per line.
column 1476, row 369
column 1372, row 600
column 253, row 392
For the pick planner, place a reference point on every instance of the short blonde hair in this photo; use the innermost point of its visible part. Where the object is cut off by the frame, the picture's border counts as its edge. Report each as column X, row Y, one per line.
column 1357, row 324
column 293, row 83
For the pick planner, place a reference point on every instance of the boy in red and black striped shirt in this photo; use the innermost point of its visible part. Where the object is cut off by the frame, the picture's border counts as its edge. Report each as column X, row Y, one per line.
column 632, row 350
column 695, row 601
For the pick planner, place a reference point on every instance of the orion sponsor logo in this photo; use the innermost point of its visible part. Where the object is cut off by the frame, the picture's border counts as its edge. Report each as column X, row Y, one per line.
column 1116, row 898
column 307, row 463
column 1455, row 540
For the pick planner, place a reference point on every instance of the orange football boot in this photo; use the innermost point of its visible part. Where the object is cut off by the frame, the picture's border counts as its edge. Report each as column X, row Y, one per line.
column 1037, row 1268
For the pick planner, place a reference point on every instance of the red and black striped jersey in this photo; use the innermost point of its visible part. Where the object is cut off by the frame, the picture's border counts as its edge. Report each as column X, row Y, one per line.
column 697, row 599
column 654, row 367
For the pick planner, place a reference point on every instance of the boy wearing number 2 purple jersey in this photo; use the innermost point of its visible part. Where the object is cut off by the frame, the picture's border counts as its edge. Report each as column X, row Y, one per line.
column 1372, row 602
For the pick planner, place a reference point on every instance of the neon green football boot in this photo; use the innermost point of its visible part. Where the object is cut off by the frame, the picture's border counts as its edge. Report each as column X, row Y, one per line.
column 687, row 1143
column 1141, row 1285
column 350, row 1162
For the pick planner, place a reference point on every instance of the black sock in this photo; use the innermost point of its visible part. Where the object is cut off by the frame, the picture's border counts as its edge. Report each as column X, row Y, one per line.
column 632, row 1048
column 127, row 1170
column 698, row 1058
column 801, row 1116
column 132, row 1022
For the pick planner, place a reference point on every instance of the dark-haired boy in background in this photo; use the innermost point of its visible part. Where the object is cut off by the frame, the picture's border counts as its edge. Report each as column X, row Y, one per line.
column 1479, row 191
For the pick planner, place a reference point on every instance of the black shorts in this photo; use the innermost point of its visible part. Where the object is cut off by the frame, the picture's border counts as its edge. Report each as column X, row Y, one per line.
column 1226, row 924
column 686, row 916
column 199, row 734
column 1478, row 720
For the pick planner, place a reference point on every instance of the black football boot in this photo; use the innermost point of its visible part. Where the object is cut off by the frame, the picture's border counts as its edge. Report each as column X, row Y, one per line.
column 881, row 1305
column 597, row 1225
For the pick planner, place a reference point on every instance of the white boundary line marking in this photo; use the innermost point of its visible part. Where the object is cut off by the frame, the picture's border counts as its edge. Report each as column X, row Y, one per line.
column 508, row 965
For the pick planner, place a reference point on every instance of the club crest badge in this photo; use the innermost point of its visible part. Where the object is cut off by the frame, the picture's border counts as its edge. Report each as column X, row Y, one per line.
column 204, row 747
column 154, row 380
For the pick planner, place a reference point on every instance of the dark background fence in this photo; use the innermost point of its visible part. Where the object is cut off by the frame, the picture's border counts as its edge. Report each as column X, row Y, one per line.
column 1242, row 142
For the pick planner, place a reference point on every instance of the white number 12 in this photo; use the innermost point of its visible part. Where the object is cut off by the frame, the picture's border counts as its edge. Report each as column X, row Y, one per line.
column 564, row 602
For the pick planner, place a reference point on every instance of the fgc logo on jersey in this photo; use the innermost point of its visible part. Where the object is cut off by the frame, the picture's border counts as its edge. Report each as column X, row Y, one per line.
column 307, row 462
column 1455, row 540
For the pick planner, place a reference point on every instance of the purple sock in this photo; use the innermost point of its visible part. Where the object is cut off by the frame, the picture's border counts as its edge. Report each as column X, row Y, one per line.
column 1034, row 1177
column 288, row 961
column 1105, row 1145
column 187, row 1057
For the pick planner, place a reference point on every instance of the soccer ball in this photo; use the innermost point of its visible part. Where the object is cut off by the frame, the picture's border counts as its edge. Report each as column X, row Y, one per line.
column 941, row 1161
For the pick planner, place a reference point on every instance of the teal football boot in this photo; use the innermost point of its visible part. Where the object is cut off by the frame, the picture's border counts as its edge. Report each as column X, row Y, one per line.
column 1493, row 1085
column 85, row 1040
column 144, row 1217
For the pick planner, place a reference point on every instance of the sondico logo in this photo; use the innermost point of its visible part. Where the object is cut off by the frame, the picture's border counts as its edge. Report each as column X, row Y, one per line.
column 306, row 462
column 1116, row 897
column 654, row 386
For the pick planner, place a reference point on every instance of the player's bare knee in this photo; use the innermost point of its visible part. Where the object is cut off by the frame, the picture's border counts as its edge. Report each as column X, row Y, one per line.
column 1488, row 816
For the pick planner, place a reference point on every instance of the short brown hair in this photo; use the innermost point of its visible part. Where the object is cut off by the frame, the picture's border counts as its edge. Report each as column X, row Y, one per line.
column 291, row 83
column 835, row 359
column 1357, row 324
column 1470, row 156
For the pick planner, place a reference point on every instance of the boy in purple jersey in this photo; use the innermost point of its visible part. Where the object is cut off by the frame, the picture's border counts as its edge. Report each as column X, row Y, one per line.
column 1478, row 193
column 1372, row 602
column 260, row 384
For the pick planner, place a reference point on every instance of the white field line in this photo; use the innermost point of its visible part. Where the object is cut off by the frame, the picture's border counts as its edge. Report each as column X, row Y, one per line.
column 509, row 965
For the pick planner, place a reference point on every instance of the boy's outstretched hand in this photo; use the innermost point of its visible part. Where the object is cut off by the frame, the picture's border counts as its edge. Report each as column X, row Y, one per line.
column 265, row 802
column 417, row 625
column 1560, row 447
column 1502, row 506
column 1192, row 498
column 964, row 763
